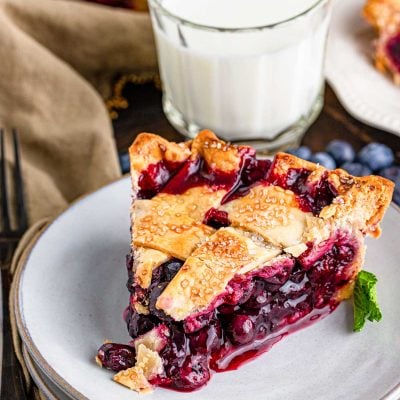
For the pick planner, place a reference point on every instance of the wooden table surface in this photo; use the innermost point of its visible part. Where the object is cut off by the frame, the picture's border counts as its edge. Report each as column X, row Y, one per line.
column 145, row 114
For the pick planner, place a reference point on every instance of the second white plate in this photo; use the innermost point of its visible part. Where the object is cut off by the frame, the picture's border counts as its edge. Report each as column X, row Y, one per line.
column 367, row 94
column 45, row 385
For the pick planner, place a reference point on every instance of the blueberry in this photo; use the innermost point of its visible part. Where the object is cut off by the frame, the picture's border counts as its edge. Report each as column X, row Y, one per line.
column 207, row 339
column 124, row 162
column 241, row 329
column 303, row 152
column 169, row 269
column 376, row 156
column 193, row 374
column 259, row 296
column 138, row 324
column 392, row 173
column 356, row 169
column 155, row 290
column 341, row 151
column 324, row 159
column 116, row 356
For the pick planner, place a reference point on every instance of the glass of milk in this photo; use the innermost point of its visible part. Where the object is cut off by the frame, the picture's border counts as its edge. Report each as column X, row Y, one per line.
column 250, row 70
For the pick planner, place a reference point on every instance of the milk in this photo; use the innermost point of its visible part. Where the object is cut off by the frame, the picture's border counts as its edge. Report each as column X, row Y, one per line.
column 246, row 84
column 236, row 13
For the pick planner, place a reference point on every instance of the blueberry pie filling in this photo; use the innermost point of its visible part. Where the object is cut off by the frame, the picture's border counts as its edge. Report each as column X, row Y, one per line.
column 230, row 254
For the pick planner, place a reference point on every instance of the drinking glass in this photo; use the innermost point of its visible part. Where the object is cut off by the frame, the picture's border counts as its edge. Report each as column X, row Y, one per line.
column 261, row 85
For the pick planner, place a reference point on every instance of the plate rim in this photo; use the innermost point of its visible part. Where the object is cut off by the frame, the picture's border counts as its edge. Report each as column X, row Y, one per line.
column 357, row 108
column 23, row 330
column 42, row 386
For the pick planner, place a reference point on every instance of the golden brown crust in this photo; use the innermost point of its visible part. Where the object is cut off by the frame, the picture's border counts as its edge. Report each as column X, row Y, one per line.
column 208, row 270
column 218, row 154
column 150, row 149
column 159, row 223
column 382, row 14
column 271, row 212
column 361, row 201
column 167, row 236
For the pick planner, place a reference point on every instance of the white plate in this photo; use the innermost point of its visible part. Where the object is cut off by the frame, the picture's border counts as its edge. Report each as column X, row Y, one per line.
column 72, row 294
column 367, row 94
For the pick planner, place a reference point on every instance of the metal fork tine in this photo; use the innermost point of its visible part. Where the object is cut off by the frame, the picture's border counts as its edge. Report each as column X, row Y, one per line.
column 22, row 218
column 4, row 195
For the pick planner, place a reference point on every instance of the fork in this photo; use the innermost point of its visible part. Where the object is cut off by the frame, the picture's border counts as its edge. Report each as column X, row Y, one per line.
column 12, row 383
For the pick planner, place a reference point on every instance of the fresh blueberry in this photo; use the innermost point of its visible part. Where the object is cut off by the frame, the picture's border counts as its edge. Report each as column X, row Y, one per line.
column 396, row 194
column 324, row 159
column 392, row 173
column 341, row 151
column 376, row 156
column 356, row 169
column 116, row 356
column 303, row 152
column 241, row 329
column 124, row 162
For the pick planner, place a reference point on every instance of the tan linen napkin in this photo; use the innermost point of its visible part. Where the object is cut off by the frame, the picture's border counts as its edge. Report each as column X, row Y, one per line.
column 55, row 59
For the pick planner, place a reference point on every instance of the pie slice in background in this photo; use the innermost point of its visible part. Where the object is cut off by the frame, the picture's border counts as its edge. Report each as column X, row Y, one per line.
column 384, row 16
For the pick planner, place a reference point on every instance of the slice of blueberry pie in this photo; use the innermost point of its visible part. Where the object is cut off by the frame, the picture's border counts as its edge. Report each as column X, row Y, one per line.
column 384, row 16
column 230, row 253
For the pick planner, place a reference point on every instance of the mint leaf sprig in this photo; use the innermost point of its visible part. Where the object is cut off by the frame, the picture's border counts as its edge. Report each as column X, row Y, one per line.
column 365, row 301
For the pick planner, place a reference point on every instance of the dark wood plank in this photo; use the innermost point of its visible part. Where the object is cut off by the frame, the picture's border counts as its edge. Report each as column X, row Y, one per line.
column 145, row 114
